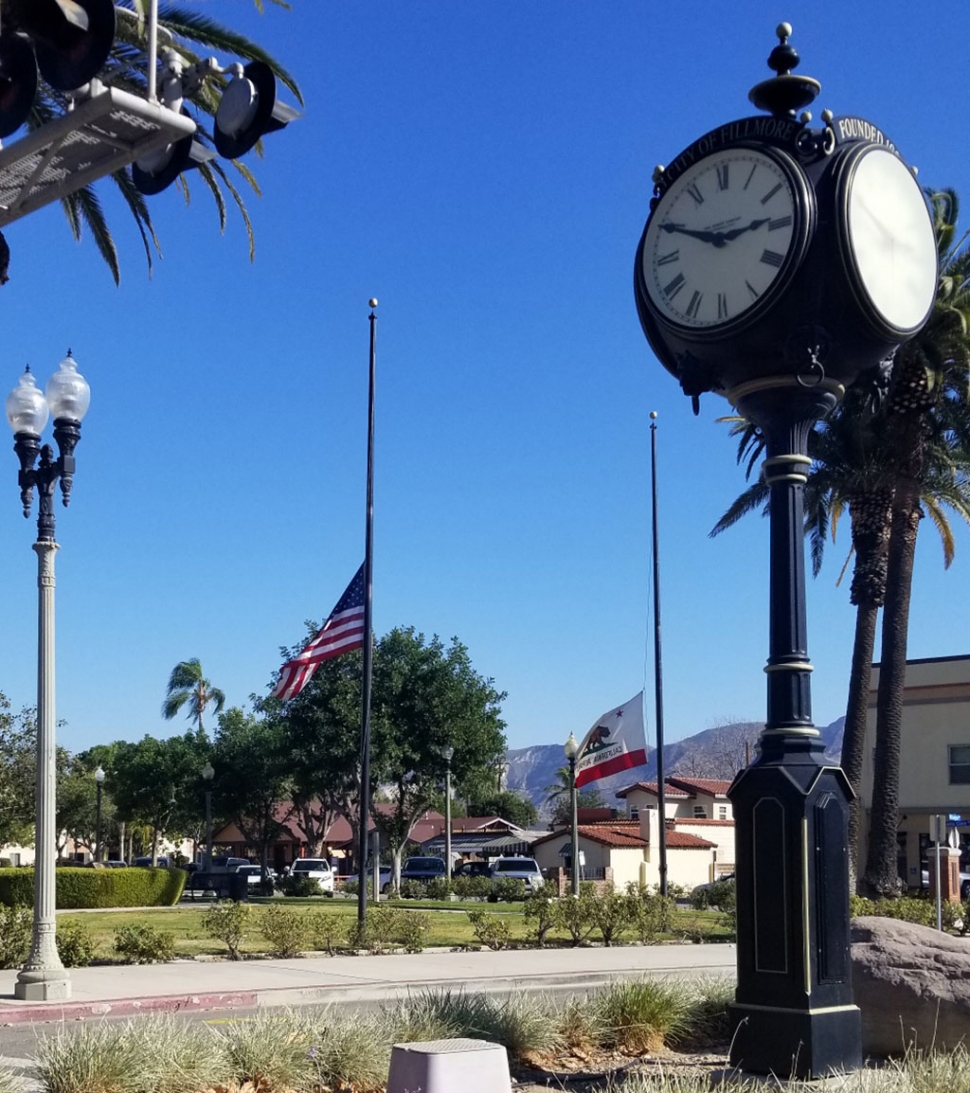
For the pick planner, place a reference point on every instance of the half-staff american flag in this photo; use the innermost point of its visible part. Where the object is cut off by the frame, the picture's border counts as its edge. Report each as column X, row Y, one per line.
column 342, row 632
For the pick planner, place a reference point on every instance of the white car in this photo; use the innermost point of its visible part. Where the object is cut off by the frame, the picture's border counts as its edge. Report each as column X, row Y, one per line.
column 317, row 869
column 523, row 869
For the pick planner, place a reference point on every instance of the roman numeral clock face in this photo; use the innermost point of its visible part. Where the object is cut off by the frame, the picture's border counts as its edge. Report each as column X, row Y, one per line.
column 721, row 239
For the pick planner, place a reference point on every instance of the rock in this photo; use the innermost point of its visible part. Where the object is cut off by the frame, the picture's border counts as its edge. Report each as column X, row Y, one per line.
column 912, row 984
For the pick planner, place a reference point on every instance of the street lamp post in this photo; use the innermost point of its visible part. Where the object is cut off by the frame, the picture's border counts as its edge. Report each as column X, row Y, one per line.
column 67, row 396
column 208, row 773
column 99, row 782
column 571, row 749
column 448, row 753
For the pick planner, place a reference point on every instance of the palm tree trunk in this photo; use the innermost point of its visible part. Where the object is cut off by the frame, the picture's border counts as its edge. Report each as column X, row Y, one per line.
column 856, row 714
column 881, row 873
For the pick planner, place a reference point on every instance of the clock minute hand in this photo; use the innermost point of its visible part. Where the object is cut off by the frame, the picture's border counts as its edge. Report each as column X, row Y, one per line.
column 704, row 236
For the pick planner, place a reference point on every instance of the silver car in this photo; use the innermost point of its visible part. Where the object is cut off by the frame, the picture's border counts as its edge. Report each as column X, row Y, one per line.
column 524, row 869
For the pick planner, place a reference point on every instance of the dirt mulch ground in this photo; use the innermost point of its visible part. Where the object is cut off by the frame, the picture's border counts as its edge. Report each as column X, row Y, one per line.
column 571, row 1074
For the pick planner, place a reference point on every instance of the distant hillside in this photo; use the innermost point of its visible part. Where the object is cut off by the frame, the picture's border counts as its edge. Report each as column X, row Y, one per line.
column 714, row 753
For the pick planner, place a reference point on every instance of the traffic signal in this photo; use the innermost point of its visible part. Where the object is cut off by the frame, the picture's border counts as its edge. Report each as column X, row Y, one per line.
column 67, row 40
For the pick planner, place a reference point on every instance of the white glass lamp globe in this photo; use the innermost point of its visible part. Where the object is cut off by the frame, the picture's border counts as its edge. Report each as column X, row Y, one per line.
column 68, row 394
column 26, row 406
column 571, row 747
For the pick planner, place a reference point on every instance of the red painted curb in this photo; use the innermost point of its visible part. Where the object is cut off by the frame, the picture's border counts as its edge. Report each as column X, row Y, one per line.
column 24, row 1013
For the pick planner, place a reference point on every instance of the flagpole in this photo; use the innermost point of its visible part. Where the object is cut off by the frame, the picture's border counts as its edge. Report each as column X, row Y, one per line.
column 658, row 664
column 368, row 633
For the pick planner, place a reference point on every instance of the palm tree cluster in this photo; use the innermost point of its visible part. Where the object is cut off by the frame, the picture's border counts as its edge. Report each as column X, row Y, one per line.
column 190, row 36
column 888, row 463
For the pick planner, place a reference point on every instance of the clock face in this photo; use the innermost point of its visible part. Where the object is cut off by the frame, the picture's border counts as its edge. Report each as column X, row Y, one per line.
column 888, row 240
column 724, row 238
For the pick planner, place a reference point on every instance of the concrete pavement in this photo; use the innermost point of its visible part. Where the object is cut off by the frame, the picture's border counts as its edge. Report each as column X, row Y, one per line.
column 201, row 985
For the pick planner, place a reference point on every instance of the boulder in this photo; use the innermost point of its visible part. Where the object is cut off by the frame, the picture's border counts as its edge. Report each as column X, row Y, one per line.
column 912, row 984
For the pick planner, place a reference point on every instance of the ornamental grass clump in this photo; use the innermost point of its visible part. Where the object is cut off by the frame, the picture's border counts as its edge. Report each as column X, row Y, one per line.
column 640, row 1016
column 419, row 1017
column 579, row 1025
column 91, row 1059
column 10, row 1082
column 271, row 1052
column 349, row 1054
column 177, row 1057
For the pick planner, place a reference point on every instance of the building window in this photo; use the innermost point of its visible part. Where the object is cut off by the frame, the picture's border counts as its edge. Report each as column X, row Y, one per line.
column 634, row 814
column 959, row 764
column 722, row 812
column 700, row 812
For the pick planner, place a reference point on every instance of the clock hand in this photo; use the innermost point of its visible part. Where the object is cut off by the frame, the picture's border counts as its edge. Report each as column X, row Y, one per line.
column 704, row 236
column 726, row 237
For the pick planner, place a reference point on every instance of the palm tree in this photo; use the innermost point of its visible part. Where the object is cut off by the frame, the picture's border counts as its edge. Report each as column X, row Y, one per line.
column 928, row 405
column 187, row 686
column 186, row 33
column 856, row 468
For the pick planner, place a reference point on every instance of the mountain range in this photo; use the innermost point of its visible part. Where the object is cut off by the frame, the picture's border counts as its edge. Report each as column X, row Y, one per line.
column 719, row 752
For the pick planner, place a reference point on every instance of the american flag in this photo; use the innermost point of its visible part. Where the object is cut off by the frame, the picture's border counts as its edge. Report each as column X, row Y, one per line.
column 342, row 632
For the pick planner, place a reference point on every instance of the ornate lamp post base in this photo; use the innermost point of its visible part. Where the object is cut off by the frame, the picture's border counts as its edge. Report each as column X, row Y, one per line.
column 42, row 985
column 793, row 1013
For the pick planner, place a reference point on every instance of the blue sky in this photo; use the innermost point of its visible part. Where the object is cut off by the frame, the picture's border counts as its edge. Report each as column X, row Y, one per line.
column 483, row 168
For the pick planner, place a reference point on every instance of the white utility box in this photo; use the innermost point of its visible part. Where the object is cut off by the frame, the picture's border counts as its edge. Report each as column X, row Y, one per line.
column 446, row 1066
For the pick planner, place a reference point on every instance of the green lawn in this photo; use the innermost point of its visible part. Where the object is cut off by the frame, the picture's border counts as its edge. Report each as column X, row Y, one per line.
column 450, row 926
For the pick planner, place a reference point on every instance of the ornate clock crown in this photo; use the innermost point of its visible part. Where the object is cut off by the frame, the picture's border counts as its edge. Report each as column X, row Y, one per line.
column 784, row 93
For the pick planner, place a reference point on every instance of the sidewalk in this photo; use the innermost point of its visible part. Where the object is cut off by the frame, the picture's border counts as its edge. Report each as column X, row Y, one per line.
column 225, row 985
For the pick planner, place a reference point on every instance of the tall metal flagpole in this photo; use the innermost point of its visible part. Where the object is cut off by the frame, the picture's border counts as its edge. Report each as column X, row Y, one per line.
column 368, row 633
column 658, row 664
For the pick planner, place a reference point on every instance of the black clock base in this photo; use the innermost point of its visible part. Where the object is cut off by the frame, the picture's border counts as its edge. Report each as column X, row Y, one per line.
column 794, row 1044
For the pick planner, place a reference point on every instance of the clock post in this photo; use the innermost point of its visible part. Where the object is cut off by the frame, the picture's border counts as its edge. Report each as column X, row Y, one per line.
column 779, row 264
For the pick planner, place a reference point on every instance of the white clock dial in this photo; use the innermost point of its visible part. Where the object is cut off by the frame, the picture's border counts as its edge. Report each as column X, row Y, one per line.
column 722, row 238
column 891, row 241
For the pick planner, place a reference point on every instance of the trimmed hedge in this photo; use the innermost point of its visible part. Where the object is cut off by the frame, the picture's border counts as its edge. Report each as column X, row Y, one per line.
column 79, row 887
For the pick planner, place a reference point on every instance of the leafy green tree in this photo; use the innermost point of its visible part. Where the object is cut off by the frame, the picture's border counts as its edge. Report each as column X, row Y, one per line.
column 18, row 764
column 158, row 783
column 188, row 687
column 508, row 804
column 187, row 34
column 426, row 696
column 253, row 752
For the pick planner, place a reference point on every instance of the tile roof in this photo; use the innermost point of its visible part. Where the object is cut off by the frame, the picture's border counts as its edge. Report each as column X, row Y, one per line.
column 626, row 834
column 654, row 788
column 715, row 787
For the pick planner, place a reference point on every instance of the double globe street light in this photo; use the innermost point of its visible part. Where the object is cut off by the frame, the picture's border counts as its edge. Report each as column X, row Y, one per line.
column 66, row 399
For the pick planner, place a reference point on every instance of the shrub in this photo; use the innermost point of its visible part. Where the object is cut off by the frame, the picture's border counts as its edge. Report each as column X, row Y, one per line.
column 650, row 912
column 226, row 922
column 490, row 929
column 412, row 929
column 300, row 885
column 16, row 929
column 439, row 888
column 143, row 944
column 612, row 914
column 287, row 931
column 472, row 887
column 508, row 890
column 350, row 887
column 859, row 905
column 578, row 915
column 382, row 928
column 75, row 945
column 542, row 915
column 412, row 889
column 721, row 896
column 324, row 930
column 82, row 888
column 357, row 935
column 907, row 909
column 642, row 1015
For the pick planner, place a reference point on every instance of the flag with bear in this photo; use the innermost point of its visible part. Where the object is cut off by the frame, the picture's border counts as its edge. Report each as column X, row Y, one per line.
column 617, row 741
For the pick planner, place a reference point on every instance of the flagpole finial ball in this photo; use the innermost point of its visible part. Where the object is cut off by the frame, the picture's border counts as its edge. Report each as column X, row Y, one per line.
column 784, row 30
column 653, row 415
column 372, row 302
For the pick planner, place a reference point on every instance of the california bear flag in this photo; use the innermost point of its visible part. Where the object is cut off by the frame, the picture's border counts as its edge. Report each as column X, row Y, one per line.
column 615, row 742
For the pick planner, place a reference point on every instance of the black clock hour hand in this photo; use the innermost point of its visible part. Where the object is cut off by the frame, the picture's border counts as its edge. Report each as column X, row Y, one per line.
column 704, row 236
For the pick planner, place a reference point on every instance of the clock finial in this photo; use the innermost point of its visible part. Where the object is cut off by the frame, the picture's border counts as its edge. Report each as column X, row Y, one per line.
column 784, row 93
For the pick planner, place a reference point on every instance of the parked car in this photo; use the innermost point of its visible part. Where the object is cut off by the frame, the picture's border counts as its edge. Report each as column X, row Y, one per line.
column 423, row 869
column 316, row 868
column 696, row 892
column 254, row 874
column 161, row 860
column 524, row 869
column 116, row 865
column 386, row 877
column 223, row 863
column 474, row 869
